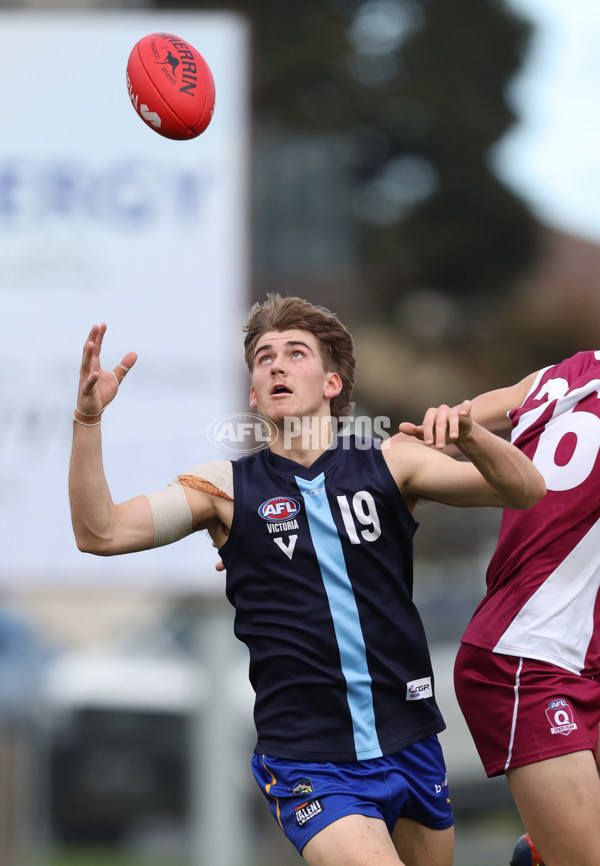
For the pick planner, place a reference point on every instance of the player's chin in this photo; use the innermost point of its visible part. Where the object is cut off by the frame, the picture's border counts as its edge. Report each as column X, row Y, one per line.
column 276, row 414
column 278, row 406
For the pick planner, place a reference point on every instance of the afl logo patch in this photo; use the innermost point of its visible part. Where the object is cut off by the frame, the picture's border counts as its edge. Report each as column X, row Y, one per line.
column 279, row 508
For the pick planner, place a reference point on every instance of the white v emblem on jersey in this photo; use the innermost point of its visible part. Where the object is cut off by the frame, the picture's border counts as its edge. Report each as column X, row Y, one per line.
column 288, row 548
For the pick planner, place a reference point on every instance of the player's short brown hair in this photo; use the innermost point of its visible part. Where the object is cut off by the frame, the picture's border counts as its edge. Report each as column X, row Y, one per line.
column 336, row 344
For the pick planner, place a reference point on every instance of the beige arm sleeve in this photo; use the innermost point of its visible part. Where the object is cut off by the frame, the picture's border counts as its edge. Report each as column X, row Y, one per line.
column 170, row 510
column 171, row 514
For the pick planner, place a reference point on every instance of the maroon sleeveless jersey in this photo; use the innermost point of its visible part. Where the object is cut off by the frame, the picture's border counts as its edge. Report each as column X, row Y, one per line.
column 544, row 577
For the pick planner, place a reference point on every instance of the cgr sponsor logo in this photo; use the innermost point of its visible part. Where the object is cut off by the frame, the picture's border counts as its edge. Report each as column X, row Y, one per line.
column 418, row 690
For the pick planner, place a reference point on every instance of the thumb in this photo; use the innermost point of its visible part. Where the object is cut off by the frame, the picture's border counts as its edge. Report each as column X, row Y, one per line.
column 411, row 429
column 122, row 369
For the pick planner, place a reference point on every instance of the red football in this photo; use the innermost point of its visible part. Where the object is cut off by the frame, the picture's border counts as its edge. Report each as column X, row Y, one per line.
column 170, row 86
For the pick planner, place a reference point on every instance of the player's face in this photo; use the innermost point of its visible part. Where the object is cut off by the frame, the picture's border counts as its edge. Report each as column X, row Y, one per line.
column 288, row 378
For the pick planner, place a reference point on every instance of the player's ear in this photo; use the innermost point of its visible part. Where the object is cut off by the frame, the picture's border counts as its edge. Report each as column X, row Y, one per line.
column 252, row 398
column 333, row 386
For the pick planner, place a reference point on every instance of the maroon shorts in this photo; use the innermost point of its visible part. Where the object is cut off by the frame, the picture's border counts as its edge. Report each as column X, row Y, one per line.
column 521, row 710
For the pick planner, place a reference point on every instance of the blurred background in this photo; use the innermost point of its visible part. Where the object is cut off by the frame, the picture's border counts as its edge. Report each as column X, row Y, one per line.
column 430, row 171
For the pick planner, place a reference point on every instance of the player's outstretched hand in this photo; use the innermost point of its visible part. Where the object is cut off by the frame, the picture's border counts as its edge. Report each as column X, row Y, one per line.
column 442, row 425
column 97, row 387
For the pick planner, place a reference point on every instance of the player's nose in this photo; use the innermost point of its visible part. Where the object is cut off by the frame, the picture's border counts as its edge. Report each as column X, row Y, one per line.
column 278, row 367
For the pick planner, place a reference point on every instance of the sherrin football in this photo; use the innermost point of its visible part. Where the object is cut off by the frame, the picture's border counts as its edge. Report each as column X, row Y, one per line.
column 170, row 86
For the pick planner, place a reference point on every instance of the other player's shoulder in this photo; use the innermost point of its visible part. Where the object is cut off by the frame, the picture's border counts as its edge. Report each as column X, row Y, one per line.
column 584, row 363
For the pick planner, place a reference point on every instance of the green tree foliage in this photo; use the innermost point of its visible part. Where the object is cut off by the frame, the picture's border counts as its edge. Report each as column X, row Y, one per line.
column 419, row 89
column 471, row 235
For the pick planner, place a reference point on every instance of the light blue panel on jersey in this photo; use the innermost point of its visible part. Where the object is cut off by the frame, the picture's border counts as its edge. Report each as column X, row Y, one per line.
column 344, row 612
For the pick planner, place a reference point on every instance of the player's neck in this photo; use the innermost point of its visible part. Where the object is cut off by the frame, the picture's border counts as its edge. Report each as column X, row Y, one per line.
column 304, row 444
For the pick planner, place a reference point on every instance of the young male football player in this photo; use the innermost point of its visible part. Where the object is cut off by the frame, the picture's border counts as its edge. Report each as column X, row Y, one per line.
column 315, row 532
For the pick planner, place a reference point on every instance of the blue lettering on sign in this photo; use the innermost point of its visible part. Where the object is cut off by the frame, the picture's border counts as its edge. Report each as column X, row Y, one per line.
column 123, row 195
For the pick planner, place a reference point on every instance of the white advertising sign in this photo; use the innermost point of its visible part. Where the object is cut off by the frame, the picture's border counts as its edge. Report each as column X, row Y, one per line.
column 102, row 219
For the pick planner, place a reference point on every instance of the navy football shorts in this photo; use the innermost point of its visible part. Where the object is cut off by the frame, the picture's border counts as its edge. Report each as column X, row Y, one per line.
column 305, row 796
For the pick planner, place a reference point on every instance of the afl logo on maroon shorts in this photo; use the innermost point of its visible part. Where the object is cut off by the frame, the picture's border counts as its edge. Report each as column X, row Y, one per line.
column 279, row 508
column 561, row 718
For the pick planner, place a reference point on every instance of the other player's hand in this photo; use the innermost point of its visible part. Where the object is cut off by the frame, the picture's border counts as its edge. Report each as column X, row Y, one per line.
column 442, row 425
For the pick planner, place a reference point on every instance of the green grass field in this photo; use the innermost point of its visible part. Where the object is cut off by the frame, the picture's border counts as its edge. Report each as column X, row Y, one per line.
column 485, row 840
column 100, row 857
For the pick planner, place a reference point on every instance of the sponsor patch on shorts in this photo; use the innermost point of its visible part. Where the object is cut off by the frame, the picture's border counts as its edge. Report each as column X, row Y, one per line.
column 304, row 786
column 306, row 811
column 560, row 715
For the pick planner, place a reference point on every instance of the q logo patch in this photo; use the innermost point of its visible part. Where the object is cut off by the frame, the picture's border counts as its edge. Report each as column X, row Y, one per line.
column 560, row 715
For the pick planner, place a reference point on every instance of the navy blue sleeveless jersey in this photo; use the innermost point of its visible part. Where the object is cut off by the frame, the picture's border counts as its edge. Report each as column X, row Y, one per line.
column 319, row 571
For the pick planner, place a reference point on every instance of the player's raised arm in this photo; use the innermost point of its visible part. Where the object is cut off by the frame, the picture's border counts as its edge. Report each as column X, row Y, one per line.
column 497, row 473
column 107, row 528
column 99, row 525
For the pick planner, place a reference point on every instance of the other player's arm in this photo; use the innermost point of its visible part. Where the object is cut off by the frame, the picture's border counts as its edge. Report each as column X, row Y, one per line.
column 490, row 410
column 497, row 473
